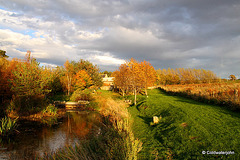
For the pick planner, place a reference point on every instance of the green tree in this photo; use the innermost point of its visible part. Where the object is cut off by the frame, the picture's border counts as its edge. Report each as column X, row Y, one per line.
column 109, row 74
column 29, row 79
column 56, row 85
column 3, row 54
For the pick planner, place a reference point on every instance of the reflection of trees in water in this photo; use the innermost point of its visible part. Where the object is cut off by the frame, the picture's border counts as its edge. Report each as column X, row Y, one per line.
column 81, row 125
column 35, row 139
column 28, row 143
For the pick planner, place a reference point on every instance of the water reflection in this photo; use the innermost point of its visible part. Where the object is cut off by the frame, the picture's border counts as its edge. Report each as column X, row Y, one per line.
column 36, row 139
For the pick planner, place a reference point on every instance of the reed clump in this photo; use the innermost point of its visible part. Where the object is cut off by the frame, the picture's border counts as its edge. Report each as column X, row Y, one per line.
column 117, row 114
column 8, row 126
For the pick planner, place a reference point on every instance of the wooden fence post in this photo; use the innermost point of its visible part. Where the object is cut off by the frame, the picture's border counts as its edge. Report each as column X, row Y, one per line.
column 236, row 94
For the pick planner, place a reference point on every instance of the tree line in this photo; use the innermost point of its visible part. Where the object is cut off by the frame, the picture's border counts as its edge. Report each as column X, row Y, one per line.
column 185, row 76
column 23, row 82
column 134, row 77
column 25, row 86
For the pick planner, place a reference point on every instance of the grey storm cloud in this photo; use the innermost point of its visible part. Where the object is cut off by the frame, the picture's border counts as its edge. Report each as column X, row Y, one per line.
column 176, row 33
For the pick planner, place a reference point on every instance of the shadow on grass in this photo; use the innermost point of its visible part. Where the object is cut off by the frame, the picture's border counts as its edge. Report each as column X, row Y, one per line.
column 146, row 120
column 139, row 104
column 190, row 101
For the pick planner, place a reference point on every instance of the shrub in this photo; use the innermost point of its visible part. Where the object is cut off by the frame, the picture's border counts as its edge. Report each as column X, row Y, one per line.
column 81, row 95
column 50, row 110
column 25, row 105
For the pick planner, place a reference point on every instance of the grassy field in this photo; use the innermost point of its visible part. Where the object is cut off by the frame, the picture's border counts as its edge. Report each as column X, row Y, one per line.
column 186, row 129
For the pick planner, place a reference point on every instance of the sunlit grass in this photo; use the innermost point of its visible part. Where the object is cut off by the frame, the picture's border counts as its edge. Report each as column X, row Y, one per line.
column 186, row 129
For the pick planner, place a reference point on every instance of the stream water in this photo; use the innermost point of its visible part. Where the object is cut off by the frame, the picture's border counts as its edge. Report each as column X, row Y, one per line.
column 38, row 139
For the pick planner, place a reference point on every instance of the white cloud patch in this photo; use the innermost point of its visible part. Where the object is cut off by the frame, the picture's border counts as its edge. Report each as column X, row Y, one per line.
column 107, row 59
column 48, row 65
column 41, row 48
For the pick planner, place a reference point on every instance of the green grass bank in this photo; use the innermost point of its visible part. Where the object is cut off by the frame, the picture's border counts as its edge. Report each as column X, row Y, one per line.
column 187, row 128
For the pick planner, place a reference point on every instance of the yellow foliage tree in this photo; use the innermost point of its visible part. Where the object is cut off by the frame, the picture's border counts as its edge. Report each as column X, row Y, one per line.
column 149, row 75
column 134, row 76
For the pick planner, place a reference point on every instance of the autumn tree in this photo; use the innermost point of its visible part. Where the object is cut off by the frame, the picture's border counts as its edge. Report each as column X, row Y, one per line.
column 82, row 80
column 29, row 79
column 149, row 75
column 134, row 76
column 92, row 70
column 4, row 85
column 71, row 70
column 29, row 84
column 6, row 68
column 121, row 79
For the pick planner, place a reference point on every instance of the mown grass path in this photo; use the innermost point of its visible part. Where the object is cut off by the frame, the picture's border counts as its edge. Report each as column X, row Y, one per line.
column 187, row 128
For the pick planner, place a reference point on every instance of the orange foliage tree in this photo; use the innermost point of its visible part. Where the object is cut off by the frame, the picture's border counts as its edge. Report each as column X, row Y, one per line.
column 6, row 76
column 84, row 68
column 82, row 80
column 122, row 78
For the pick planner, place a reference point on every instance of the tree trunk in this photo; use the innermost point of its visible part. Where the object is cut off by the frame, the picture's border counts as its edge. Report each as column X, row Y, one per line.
column 69, row 84
column 135, row 95
column 68, row 88
column 123, row 93
column 146, row 91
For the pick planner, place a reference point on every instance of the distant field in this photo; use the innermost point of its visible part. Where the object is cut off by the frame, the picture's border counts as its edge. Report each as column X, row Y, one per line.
column 187, row 128
column 218, row 93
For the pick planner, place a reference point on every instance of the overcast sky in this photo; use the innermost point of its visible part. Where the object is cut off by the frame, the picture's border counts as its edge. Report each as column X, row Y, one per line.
column 167, row 33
